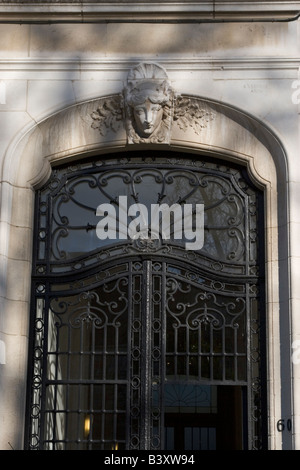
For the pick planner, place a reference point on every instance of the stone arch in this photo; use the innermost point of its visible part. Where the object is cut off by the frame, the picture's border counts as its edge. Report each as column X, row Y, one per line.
column 224, row 132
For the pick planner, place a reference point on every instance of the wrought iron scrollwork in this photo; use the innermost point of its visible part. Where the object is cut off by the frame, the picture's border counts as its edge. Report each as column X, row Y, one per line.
column 70, row 200
column 121, row 327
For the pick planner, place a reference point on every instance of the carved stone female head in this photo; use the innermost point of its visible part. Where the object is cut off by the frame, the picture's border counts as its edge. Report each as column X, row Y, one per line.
column 148, row 104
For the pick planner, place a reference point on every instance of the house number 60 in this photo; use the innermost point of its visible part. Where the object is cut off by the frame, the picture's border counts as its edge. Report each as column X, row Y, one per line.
column 283, row 424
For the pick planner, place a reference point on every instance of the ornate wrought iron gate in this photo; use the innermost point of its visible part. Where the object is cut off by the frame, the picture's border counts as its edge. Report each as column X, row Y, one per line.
column 127, row 334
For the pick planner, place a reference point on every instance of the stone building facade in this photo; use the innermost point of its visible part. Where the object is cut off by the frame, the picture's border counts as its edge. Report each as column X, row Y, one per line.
column 220, row 81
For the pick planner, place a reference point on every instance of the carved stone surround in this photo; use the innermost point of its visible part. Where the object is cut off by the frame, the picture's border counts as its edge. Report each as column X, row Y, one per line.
column 95, row 11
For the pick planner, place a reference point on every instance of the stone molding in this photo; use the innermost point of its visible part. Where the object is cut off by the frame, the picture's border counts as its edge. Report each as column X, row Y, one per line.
column 80, row 130
column 209, row 10
column 24, row 67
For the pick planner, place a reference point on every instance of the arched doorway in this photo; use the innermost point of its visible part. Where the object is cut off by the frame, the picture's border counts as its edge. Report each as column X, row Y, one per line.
column 133, row 335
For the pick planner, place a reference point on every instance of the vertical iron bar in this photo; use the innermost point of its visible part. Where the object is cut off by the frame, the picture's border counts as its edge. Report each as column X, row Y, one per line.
column 146, row 358
column 211, row 352
column 223, row 353
column 187, row 351
column 163, row 354
column 81, row 390
column 68, row 388
column 175, row 352
column 44, row 366
column 55, row 377
column 116, row 385
column 235, row 357
column 199, row 357
column 92, row 376
column 103, row 386
column 130, row 319
column 250, row 403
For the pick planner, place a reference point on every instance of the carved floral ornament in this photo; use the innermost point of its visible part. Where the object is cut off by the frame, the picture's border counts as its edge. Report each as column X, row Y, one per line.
column 148, row 107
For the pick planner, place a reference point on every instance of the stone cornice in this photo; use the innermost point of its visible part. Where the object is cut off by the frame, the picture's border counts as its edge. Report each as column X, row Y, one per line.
column 41, row 64
column 190, row 11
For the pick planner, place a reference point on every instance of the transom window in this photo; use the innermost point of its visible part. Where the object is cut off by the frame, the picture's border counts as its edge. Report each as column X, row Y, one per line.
column 132, row 335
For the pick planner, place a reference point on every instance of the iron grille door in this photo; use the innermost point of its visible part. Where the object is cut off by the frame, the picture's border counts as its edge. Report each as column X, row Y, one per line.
column 125, row 333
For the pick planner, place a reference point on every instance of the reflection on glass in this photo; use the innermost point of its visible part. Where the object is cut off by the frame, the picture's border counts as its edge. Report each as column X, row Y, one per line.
column 189, row 398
